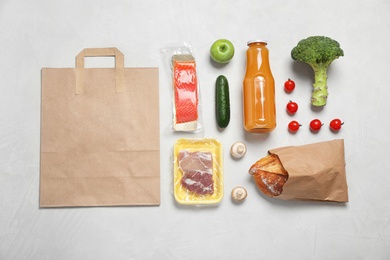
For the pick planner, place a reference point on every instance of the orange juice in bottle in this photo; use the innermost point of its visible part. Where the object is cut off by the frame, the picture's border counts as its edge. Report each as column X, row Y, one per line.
column 258, row 90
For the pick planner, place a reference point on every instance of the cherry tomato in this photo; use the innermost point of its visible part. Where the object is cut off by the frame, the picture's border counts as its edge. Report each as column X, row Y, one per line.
column 293, row 126
column 292, row 107
column 315, row 124
column 335, row 124
column 289, row 85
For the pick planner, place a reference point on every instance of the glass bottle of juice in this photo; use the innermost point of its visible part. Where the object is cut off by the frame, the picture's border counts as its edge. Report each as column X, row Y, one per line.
column 258, row 90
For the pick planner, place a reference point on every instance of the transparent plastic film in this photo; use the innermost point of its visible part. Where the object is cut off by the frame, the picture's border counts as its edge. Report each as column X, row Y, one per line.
column 185, row 87
column 198, row 171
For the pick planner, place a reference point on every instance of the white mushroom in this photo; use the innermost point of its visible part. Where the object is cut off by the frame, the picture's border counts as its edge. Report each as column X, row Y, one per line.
column 239, row 193
column 238, row 150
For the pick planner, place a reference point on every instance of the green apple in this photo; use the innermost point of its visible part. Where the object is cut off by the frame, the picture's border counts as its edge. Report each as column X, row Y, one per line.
column 222, row 51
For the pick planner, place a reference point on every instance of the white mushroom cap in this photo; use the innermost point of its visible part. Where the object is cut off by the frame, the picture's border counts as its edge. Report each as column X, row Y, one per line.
column 238, row 150
column 239, row 193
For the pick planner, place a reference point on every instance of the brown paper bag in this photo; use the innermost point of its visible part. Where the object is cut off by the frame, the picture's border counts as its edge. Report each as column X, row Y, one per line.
column 100, row 134
column 315, row 171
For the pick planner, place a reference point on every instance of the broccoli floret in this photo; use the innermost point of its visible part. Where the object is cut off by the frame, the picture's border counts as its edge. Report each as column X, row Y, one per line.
column 318, row 52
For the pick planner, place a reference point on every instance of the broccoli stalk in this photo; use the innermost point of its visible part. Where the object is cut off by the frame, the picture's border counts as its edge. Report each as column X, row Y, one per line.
column 319, row 52
column 319, row 95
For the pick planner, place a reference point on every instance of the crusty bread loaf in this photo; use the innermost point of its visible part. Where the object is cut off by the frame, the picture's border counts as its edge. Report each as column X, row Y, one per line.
column 269, row 175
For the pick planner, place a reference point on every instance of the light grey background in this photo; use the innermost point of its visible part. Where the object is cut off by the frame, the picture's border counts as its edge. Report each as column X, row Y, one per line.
column 36, row 34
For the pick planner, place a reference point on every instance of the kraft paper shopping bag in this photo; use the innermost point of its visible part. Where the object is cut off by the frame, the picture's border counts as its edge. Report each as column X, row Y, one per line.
column 99, row 134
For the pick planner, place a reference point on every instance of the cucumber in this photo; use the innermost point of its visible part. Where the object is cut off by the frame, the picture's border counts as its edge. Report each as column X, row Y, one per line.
column 222, row 102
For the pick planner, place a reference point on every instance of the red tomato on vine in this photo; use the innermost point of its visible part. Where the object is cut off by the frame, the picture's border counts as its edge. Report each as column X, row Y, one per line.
column 293, row 126
column 335, row 124
column 315, row 124
column 289, row 85
column 292, row 107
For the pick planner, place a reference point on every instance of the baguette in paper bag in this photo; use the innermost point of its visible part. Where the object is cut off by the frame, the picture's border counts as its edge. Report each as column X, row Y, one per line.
column 307, row 172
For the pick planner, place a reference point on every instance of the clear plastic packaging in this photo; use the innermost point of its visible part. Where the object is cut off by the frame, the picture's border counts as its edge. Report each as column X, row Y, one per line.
column 198, row 171
column 182, row 69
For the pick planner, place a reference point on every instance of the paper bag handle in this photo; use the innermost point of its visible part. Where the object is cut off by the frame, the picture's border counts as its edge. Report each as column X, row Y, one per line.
column 99, row 52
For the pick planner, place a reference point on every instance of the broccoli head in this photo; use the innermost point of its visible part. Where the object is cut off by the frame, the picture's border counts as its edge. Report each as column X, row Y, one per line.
column 318, row 52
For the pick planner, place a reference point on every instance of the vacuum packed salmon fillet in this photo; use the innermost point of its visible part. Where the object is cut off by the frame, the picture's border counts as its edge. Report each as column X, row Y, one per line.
column 185, row 87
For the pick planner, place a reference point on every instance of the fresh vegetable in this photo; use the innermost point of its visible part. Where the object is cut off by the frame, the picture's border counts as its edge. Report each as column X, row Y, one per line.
column 289, row 85
column 319, row 52
column 238, row 150
column 335, row 124
column 292, row 107
column 222, row 102
column 315, row 124
column 239, row 194
column 293, row 126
